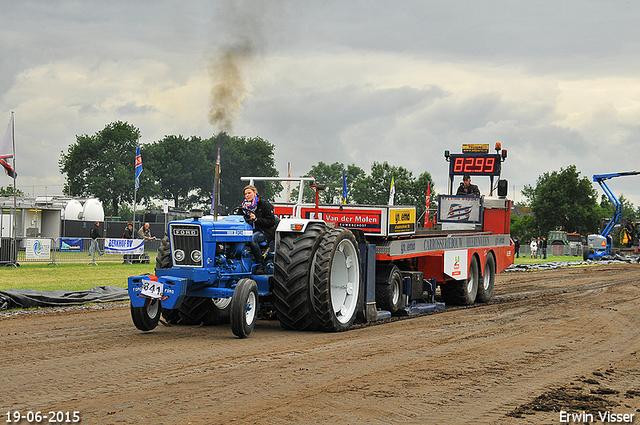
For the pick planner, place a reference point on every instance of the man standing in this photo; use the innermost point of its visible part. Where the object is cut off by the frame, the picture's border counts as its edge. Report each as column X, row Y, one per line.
column 95, row 235
column 466, row 188
column 128, row 234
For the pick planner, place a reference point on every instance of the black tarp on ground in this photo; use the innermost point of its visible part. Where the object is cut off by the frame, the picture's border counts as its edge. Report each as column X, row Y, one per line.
column 25, row 298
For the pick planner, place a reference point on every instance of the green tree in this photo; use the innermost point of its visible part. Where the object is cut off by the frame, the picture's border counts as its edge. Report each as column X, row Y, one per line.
column 563, row 198
column 375, row 188
column 102, row 165
column 176, row 167
column 8, row 191
column 523, row 227
column 331, row 177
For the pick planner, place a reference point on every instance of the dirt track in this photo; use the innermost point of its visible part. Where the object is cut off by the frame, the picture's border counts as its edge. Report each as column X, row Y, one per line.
column 566, row 339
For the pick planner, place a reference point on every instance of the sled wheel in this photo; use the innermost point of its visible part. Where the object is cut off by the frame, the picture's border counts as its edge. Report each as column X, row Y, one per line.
column 146, row 318
column 388, row 288
column 336, row 280
column 244, row 308
column 485, row 286
column 462, row 292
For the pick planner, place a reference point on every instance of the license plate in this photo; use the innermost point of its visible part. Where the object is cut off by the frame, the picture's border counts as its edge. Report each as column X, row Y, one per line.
column 152, row 289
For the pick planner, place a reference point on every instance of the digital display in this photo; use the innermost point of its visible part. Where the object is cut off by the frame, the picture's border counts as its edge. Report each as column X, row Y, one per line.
column 474, row 164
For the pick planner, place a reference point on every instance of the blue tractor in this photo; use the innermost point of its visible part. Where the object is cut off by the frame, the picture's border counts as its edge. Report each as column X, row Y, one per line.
column 205, row 274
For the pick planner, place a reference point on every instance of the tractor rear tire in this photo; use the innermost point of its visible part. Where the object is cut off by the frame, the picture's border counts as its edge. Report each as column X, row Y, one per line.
column 197, row 311
column 389, row 288
column 292, row 276
column 163, row 260
column 244, row 308
column 337, row 280
column 487, row 281
column 462, row 292
column 146, row 318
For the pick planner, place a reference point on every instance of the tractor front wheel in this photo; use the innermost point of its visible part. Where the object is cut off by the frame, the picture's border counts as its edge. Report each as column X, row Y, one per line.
column 244, row 308
column 146, row 318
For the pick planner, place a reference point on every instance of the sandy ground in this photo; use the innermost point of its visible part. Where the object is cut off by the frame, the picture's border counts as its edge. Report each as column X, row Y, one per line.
column 566, row 340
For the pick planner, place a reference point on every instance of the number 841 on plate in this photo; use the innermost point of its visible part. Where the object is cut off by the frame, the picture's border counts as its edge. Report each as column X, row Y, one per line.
column 152, row 289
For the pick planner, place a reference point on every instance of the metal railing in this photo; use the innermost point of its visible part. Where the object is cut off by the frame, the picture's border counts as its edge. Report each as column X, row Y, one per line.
column 59, row 250
column 568, row 250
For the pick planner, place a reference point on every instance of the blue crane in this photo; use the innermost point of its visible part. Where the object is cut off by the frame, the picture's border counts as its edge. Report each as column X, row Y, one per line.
column 600, row 245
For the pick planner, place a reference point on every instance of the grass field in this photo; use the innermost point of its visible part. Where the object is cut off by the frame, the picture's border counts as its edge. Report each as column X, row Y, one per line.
column 69, row 276
column 79, row 276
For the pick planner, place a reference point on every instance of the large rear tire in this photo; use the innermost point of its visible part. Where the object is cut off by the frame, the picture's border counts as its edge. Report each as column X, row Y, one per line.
column 244, row 308
column 146, row 318
column 485, row 286
column 163, row 260
column 389, row 288
column 292, row 276
column 336, row 280
column 462, row 292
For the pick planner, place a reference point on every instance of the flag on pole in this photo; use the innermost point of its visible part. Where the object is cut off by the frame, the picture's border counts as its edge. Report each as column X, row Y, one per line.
column 138, row 166
column 428, row 202
column 392, row 191
column 216, row 188
column 6, row 150
column 344, row 188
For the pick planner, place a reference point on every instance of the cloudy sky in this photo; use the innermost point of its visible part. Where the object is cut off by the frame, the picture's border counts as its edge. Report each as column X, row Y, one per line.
column 556, row 82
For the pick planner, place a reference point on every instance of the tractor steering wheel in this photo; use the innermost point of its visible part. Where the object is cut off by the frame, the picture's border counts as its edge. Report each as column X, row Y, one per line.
column 243, row 212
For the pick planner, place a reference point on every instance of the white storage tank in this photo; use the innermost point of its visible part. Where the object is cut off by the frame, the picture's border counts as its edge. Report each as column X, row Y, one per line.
column 73, row 210
column 92, row 210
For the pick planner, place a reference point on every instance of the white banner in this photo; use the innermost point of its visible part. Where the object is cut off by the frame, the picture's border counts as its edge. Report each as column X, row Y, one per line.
column 38, row 249
column 455, row 264
column 123, row 246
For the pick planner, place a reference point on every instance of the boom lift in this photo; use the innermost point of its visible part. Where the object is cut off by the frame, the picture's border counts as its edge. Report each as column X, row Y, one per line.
column 600, row 245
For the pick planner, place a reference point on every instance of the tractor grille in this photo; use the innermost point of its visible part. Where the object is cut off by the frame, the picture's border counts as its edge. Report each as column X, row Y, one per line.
column 186, row 245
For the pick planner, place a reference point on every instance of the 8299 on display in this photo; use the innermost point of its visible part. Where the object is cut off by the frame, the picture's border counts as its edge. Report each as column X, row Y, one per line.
column 475, row 164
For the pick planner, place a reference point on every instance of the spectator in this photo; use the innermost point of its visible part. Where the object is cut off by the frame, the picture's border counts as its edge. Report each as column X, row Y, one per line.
column 145, row 232
column 95, row 235
column 534, row 247
column 128, row 234
column 516, row 244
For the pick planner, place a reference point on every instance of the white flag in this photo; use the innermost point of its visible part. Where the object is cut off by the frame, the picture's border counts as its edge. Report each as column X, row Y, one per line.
column 6, row 147
column 392, row 191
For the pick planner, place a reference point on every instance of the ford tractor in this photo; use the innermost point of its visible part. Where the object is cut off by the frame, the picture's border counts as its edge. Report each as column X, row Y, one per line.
column 205, row 274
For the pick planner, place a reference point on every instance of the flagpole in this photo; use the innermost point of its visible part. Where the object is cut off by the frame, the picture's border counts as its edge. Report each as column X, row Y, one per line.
column 14, row 254
column 134, row 206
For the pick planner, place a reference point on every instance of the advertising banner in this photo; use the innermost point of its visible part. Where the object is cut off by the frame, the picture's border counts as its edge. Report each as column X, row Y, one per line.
column 70, row 244
column 38, row 249
column 123, row 246
column 402, row 220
